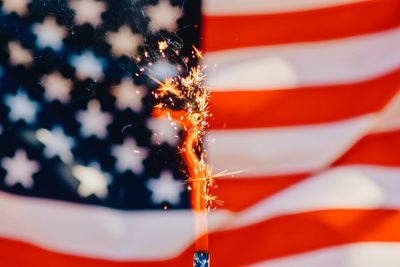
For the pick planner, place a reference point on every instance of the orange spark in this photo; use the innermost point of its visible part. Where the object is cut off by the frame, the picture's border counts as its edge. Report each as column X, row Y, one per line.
column 162, row 45
column 197, row 51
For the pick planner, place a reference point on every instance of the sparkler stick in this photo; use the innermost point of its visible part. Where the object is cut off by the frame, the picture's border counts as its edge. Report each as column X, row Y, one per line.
column 185, row 100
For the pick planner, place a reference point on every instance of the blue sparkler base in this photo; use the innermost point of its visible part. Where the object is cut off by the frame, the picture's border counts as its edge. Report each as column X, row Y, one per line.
column 201, row 259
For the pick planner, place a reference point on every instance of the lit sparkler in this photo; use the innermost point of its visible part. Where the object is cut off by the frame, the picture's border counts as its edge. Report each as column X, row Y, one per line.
column 185, row 100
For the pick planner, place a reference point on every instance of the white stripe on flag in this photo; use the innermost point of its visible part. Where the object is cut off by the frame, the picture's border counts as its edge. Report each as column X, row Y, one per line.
column 248, row 7
column 98, row 232
column 108, row 234
column 357, row 186
column 284, row 150
column 390, row 118
column 368, row 254
column 304, row 64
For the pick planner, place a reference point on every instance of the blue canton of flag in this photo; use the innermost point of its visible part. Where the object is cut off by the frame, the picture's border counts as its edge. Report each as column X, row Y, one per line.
column 75, row 110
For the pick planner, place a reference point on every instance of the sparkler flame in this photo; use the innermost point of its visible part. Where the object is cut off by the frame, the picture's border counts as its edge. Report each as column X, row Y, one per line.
column 185, row 99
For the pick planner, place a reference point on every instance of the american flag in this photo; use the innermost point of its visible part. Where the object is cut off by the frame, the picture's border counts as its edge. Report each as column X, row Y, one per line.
column 306, row 105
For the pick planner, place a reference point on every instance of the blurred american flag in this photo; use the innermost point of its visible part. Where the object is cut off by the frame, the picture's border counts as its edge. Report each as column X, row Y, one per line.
column 305, row 103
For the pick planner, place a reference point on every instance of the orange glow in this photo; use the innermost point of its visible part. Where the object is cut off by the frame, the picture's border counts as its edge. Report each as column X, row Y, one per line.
column 192, row 97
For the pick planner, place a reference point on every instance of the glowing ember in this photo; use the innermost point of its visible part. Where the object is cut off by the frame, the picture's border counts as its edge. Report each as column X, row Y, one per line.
column 162, row 45
column 197, row 52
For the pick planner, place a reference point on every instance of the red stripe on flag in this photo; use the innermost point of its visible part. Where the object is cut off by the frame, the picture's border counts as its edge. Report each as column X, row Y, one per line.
column 302, row 232
column 17, row 254
column 270, row 108
column 227, row 32
column 277, row 237
column 240, row 193
column 377, row 149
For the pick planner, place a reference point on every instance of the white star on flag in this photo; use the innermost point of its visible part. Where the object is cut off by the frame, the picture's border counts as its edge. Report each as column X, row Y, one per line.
column 128, row 95
column 92, row 180
column 17, row 6
column 19, row 169
column 49, row 34
column 57, row 87
column 129, row 156
column 124, row 41
column 21, row 107
column 87, row 65
column 163, row 16
column 19, row 55
column 164, row 130
column 88, row 11
column 165, row 189
column 162, row 69
column 56, row 143
column 93, row 120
